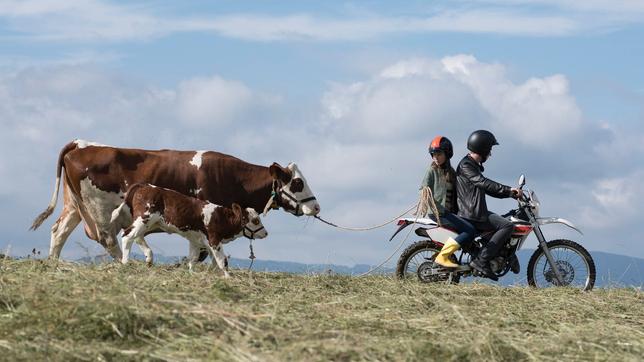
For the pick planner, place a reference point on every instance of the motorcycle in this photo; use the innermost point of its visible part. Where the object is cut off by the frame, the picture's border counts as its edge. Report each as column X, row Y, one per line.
column 555, row 263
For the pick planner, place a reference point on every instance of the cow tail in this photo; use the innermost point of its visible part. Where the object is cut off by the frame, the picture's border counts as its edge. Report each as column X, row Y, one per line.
column 54, row 199
column 117, row 212
column 127, row 201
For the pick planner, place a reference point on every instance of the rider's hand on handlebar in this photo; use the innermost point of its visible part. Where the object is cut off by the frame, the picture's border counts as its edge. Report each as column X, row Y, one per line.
column 516, row 193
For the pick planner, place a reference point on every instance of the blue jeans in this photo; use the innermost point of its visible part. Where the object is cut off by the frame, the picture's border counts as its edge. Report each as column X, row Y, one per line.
column 466, row 231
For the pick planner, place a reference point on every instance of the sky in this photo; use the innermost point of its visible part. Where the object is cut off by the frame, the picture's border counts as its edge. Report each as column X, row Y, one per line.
column 353, row 92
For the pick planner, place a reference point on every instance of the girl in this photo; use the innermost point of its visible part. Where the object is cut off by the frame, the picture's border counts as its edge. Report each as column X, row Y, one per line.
column 441, row 179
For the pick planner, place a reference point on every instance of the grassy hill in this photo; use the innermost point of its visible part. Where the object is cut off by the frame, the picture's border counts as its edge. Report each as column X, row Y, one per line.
column 69, row 311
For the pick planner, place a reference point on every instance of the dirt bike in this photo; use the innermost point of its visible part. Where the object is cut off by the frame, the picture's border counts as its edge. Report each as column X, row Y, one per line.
column 555, row 263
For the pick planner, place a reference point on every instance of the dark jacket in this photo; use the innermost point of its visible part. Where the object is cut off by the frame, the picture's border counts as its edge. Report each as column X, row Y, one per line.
column 471, row 188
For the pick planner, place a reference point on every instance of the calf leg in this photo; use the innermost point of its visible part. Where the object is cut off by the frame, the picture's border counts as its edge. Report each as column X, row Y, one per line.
column 60, row 231
column 147, row 251
column 136, row 232
column 221, row 259
column 195, row 248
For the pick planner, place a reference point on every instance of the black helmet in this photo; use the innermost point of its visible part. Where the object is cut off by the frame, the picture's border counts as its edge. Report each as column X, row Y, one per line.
column 443, row 144
column 481, row 142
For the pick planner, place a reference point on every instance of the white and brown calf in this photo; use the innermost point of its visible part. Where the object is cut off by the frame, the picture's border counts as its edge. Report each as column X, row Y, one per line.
column 149, row 208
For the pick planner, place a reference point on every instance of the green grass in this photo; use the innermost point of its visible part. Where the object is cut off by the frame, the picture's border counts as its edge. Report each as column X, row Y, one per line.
column 108, row 312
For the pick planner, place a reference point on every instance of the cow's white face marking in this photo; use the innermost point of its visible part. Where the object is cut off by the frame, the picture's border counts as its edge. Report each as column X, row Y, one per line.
column 83, row 144
column 309, row 208
column 99, row 204
column 196, row 192
column 196, row 160
column 207, row 212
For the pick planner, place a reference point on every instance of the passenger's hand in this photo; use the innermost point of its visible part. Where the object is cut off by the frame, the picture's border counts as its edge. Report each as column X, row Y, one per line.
column 516, row 193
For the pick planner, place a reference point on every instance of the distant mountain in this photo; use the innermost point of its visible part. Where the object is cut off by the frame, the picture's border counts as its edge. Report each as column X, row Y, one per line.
column 612, row 269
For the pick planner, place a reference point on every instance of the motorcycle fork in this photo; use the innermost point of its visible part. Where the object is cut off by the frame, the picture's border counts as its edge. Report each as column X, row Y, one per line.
column 544, row 246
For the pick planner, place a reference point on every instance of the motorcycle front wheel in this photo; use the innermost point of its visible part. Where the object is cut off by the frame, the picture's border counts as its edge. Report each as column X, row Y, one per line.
column 417, row 261
column 575, row 265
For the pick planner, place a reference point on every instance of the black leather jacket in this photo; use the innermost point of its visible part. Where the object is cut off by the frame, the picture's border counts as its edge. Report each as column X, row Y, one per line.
column 471, row 188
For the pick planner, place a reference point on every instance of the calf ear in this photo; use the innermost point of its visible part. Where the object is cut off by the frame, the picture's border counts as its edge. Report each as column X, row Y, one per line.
column 280, row 173
column 237, row 209
column 237, row 213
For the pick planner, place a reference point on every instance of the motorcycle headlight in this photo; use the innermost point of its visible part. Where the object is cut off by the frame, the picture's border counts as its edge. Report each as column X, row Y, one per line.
column 534, row 203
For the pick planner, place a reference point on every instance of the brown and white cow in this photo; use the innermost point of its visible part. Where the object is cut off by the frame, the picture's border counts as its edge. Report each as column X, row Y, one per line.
column 149, row 208
column 96, row 177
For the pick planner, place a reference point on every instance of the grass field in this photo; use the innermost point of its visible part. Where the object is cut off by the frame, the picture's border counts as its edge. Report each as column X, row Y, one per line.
column 109, row 312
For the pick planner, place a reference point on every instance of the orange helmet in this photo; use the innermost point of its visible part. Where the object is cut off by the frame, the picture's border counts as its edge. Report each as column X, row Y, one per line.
column 441, row 144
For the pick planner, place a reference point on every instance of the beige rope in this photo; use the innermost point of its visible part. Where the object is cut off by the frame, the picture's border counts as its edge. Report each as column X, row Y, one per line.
column 427, row 202
column 402, row 242
column 268, row 204
column 366, row 228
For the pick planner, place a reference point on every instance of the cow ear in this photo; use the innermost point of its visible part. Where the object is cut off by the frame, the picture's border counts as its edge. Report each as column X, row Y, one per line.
column 279, row 173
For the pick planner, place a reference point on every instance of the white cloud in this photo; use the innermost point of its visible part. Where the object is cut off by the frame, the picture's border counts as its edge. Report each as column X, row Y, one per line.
column 202, row 101
column 611, row 6
column 425, row 94
column 617, row 201
column 81, row 20
column 99, row 21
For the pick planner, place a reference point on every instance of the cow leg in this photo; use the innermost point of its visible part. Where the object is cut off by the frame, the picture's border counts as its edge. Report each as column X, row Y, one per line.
column 112, row 245
column 136, row 232
column 147, row 251
column 60, row 231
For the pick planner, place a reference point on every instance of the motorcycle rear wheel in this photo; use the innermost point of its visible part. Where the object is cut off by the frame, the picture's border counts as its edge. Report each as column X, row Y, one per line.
column 420, row 256
column 576, row 266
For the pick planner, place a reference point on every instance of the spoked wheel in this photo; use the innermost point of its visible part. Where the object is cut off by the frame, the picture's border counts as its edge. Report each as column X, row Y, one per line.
column 574, row 263
column 417, row 261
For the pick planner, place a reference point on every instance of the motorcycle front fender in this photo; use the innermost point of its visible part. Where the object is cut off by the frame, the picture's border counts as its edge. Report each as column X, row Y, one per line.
column 557, row 220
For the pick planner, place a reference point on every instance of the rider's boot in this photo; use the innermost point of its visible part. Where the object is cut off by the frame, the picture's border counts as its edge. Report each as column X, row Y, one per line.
column 514, row 264
column 483, row 267
column 443, row 257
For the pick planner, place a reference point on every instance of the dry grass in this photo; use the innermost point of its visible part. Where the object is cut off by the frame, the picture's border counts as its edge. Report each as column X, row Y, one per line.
column 111, row 312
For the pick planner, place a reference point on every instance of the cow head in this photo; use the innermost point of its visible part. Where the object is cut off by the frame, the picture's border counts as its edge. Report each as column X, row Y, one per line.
column 254, row 229
column 292, row 191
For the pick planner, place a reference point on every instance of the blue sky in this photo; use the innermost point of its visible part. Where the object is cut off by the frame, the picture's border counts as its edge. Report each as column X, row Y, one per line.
column 351, row 91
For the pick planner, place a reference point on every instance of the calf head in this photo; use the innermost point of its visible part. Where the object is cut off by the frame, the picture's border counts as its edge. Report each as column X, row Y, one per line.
column 253, row 229
column 292, row 191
